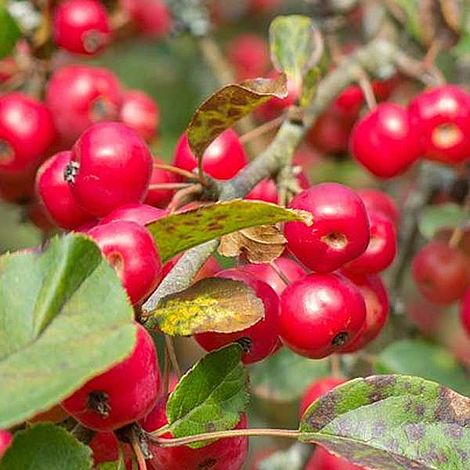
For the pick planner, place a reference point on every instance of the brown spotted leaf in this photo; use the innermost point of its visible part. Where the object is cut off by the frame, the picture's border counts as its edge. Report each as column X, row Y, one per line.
column 212, row 304
column 227, row 106
column 179, row 232
column 392, row 422
column 261, row 244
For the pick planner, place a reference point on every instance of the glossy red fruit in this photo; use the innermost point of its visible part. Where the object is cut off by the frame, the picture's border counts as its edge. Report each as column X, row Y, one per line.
column 80, row 95
column 320, row 314
column 17, row 187
column 26, row 132
column 425, row 315
column 263, row 335
column 56, row 414
column 441, row 273
column 441, row 117
column 316, row 390
column 385, row 141
column 36, row 214
column 160, row 197
column 130, row 250
column 223, row 159
column 81, row 26
column 140, row 112
column 376, row 200
column 382, row 247
column 263, row 6
column 5, row 441
column 55, row 194
column 105, row 448
column 249, row 56
column 141, row 214
column 330, row 133
column 377, row 309
column 265, row 272
column 266, row 190
column 223, row 454
column 340, row 230
column 123, row 394
column 465, row 311
column 323, row 460
column 151, row 17
column 110, row 166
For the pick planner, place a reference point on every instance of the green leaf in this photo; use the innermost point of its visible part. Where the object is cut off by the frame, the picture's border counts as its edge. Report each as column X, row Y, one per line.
column 46, row 447
column 178, row 232
column 435, row 218
column 210, row 396
column 292, row 45
column 284, row 376
column 213, row 304
column 423, row 359
column 309, row 86
column 392, row 422
column 65, row 318
column 9, row 32
column 227, row 106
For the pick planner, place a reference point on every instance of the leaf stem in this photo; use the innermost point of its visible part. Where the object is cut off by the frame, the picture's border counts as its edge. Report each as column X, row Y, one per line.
column 180, row 441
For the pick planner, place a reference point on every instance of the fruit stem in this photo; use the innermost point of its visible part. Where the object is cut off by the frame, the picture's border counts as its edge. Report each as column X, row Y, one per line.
column 163, row 186
column 176, row 170
column 283, row 277
column 170, row 347
column 262, row 129
column 180, row 441
column 335, row 366
column 366, row 87
column 138, row 452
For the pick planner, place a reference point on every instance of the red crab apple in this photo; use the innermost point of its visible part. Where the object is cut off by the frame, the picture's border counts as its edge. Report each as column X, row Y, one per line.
column 56, row 196
column 130, row 250
column 80, row 95
column 248, row 54
column 26, row 132
column 385, row 141
column 425, row 315
column 151, row 17
column 340, row 230
column 160, row 197
column 223, row 159
column 105, row 448
column 382, row 247
column 441, row 117
column 223, row 454
column 140, row 112
column 110, row 166
column 263, row 335
column 81, row 26
column 377, row 309
column 316, row 390
column 5, row 441
column 265, row 272
column 141, row 214
column 376, row 200
column 321, row 314
column 123, row 394
column 323, row 460
column 442, row 273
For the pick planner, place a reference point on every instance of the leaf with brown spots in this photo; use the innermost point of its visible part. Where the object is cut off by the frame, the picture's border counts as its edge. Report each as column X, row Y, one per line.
column 212, row 304
column 210, row 396
column 392, row 422
column 261, row 244
column 179, row 232
column 227, row 106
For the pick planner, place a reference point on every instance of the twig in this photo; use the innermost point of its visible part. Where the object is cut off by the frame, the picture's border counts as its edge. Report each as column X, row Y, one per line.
column 170, row 347
column 181, row 441
column 260, row 130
